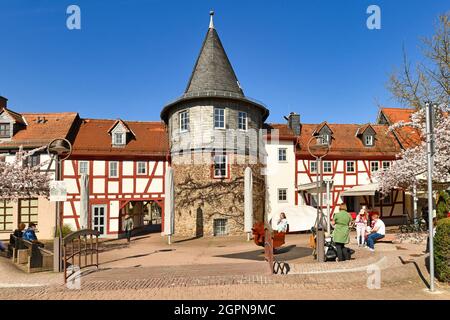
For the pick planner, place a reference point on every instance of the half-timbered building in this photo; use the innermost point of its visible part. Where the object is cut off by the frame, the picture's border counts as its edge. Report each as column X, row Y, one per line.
column 30, row 131
column 125, row 162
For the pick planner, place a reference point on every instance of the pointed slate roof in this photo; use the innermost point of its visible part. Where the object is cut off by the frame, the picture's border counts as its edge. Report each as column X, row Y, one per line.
column 213, row 76
column 213, row 70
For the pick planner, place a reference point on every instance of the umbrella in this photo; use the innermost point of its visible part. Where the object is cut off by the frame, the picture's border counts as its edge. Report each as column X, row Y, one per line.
column 248, row 201
column 169, row 214
column 84, row 201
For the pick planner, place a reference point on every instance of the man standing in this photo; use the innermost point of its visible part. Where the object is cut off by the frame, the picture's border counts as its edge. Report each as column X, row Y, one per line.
column 378, row 232
column 128, row 227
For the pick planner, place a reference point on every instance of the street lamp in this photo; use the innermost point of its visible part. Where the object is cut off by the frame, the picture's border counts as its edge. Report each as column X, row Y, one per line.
column 319, row 147
column 430, row 158
column 61, row 149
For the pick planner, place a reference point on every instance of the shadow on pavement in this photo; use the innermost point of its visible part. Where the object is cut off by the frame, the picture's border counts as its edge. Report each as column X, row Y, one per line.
column 419, row 272
column 288, row 253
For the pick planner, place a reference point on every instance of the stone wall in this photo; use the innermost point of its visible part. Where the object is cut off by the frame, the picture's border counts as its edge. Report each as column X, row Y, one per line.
column 199, row 198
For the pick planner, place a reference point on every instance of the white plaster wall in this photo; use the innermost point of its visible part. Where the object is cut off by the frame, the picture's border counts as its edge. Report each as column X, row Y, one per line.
column 113, row 187
column 127, row 185
column 280, row 175
column 156, row 186
column 98, row 185
column 99, row 168
column 127, row 168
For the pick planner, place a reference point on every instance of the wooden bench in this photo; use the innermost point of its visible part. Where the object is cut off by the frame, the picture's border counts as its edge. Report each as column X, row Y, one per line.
column 15, row 244
column 33, row 258
column 258, row 236
column 388, row 238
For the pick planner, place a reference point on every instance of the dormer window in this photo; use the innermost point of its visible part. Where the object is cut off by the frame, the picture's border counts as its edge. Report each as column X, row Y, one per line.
column 120, row 134
column 323, row 139
column 366, row 134
column 119, row 138
column 5, row 130
column 323, row 134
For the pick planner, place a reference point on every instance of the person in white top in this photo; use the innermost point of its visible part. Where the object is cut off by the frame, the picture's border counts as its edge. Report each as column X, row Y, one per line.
column 361, row 225
column 378, row 231
column 282, row 223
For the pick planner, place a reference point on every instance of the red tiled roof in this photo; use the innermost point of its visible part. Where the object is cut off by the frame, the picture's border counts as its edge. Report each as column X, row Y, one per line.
column 41, row 129
column 284, row 132
column 93, row 140
column 407, row 136
column 345, row 143
column 18, row 118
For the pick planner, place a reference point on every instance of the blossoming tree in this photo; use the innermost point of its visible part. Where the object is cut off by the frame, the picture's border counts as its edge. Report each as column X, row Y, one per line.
column 428, row 81
column 19, row 181
column 408, row 171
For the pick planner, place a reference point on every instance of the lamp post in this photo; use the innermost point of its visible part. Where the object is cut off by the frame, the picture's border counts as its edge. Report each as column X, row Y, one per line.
column 430, row 155
column 61, row 149
column 318, row 148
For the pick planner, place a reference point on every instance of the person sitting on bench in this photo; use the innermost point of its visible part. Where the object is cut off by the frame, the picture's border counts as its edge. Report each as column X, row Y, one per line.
column 282, row 224
column 18, row 233
column 30, row 234
column 378, row 231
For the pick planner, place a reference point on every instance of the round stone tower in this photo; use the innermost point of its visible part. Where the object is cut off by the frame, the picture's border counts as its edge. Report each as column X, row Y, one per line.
column 215, row 134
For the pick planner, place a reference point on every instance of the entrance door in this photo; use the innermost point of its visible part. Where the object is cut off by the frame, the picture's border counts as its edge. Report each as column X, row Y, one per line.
column 99, row 218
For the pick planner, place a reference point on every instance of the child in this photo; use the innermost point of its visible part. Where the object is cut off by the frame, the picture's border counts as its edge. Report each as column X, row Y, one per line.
column 361, row 225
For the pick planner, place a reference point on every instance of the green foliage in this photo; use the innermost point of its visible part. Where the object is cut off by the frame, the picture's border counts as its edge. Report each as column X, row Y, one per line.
column 65, row 230
column 443, row 205
column 442, row 250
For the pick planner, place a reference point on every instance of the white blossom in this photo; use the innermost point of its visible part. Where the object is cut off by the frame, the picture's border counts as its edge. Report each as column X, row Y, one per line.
column 18, row 181
column 409, row 169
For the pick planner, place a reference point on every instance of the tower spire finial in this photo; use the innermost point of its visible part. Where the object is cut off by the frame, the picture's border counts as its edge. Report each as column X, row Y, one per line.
column 211, row 21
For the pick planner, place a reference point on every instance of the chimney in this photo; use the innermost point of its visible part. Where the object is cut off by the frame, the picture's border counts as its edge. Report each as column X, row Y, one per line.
column 294, row 122
column 3, row 103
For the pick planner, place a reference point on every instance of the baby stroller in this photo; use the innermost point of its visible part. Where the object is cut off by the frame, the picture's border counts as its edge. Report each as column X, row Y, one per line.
column 329, row 246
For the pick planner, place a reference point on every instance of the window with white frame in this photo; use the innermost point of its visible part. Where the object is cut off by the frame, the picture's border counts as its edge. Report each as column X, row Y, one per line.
column 313, row 166
column 83, row 167
column 386, row 165
column 327, row 167
column 350, row 166
column 141, row 167
column 282, row 154
column 369, row 140
column 113, row 169
column 374, row 166
column 219, row 118
column 119, row 138
column 184, row 120
column 242, row 121
column 32, row 161
column 323, row 139
column 220, row 227
column 5, row 130
column 282, row 195
column 220, row 166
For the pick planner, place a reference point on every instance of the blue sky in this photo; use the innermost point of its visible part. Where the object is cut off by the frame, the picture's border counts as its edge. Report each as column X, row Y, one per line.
column 131, row 57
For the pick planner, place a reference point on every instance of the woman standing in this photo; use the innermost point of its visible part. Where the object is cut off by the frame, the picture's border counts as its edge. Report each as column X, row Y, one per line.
column 341, row 233
column 361, row 226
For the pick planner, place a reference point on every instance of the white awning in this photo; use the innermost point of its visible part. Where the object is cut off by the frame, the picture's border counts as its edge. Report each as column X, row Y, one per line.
column 364, row 190
column 311, row 187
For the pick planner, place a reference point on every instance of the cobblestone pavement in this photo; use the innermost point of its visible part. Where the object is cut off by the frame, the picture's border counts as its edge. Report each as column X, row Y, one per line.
column 237, row 276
